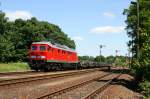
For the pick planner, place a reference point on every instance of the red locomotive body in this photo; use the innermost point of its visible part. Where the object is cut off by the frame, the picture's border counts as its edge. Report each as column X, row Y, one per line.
column 46, row 56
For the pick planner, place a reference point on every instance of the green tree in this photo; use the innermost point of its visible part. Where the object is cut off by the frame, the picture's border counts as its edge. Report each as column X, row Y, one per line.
column 86, row 58
column 121, row 61
column 100, row 59
column 110, row 59
column 6, row 46
column 141, row 66
column 17, row 36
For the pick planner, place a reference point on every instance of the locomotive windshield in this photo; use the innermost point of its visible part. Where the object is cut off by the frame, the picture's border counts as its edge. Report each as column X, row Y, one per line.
column 42, row 48
column 33, row 48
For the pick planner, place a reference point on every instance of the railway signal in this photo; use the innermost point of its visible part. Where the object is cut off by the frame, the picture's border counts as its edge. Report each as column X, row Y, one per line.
column 101, row 46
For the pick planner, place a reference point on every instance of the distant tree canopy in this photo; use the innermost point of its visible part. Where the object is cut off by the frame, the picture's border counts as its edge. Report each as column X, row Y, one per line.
column 141, row 65
column 86, row 58
column 116, row 61
column 16, row 37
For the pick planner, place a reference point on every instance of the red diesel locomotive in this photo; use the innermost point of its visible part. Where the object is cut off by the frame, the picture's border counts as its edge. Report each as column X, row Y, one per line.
column 47, row 56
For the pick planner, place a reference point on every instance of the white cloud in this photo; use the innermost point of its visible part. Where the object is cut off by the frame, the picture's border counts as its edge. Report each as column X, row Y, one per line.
column 77, row 38
column 108, row 29
column 12, row 15
column 108, row 15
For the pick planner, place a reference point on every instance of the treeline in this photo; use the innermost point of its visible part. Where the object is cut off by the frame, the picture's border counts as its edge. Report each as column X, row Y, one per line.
column 114, row 60
column 17, row 36
column 140, row 41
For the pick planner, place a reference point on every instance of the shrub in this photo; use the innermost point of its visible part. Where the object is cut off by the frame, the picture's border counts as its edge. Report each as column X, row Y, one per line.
column 145, row 88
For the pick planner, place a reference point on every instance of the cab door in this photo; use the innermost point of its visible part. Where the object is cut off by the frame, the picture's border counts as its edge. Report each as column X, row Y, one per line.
column 49, row 52
column 68, row 56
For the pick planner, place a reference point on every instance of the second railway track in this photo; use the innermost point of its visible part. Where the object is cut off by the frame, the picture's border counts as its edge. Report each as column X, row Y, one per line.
column 101, row 88
column 58, row 94
column 16, row 73
column 42, row 77
column 80, row 84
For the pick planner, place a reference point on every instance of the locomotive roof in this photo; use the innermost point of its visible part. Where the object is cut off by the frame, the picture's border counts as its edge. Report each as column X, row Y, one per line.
column 55, row 45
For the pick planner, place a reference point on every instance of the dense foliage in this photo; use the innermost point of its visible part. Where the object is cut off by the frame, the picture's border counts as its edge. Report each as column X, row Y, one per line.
column 17, row 36
column 141, row 65
column 114, row 60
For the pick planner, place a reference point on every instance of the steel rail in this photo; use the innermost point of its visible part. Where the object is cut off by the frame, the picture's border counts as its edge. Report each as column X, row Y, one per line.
column 71, row 88
column 100, row 89
column 43, row 77
column 16, row 73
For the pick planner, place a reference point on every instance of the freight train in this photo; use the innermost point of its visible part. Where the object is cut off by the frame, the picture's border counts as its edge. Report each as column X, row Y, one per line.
column 45, row 56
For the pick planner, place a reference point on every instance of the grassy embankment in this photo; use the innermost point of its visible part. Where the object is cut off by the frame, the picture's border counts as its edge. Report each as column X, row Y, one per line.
column 12, row 67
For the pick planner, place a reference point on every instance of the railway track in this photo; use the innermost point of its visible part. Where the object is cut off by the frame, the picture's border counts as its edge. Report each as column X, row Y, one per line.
column 101, row 88
column 89, row 96
column 16, row 73
column 42, row 77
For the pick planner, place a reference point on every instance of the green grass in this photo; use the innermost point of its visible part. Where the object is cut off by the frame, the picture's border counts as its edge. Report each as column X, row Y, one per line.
column 12, row 67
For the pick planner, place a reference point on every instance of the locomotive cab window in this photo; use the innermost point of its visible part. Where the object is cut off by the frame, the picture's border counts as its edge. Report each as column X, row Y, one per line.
column 42, row 48
column 33, row 48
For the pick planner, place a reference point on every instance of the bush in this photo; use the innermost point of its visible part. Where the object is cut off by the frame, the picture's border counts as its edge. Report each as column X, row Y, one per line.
column 145, row 88
column 12, row 67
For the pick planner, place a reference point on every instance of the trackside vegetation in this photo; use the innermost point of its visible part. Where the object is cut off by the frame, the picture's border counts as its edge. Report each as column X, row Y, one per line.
column 141, row 64
column 17, row 36
column 12, row 67
column 114, row 60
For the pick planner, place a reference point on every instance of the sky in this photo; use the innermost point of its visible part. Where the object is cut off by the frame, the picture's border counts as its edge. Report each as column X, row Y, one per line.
column 89, row 23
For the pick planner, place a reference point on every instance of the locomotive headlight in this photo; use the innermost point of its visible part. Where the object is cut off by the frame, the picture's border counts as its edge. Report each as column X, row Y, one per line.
column 41, row 57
